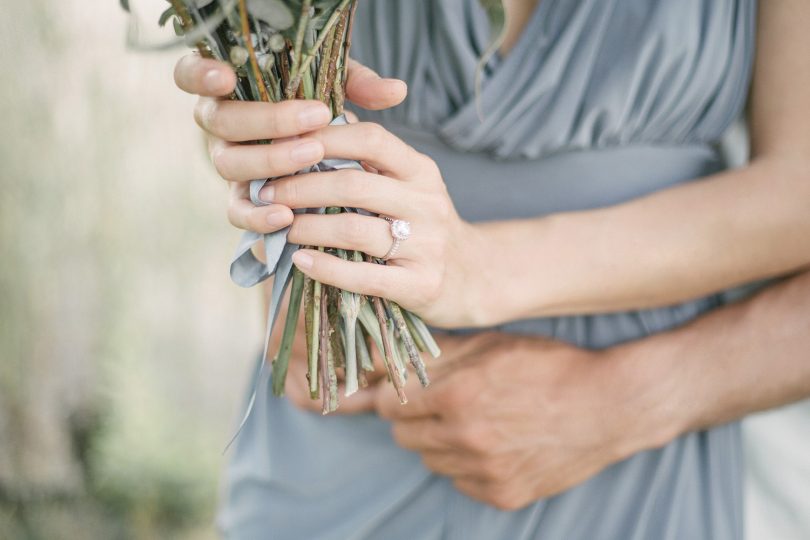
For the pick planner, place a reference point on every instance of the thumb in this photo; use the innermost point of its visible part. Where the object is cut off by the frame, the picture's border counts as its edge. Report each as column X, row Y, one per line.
column 370, row 91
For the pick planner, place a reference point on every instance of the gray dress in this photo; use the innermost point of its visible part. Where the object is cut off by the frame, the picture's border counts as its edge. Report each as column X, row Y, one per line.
column 601, row 101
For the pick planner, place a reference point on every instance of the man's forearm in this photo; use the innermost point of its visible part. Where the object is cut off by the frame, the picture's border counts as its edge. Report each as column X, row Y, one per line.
column 741, row 359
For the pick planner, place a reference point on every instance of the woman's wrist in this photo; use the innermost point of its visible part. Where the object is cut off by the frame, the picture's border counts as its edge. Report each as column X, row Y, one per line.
column 478, row 278
column 506, row 277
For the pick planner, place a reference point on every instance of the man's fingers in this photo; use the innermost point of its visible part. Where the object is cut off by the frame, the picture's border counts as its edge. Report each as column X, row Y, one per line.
column 204, row 76
column 358, row 403
column 423, row 434
column 420, row 403
column 370, row 91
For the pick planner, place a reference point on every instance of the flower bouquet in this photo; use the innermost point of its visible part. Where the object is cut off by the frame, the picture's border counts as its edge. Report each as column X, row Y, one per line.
column 298, row 49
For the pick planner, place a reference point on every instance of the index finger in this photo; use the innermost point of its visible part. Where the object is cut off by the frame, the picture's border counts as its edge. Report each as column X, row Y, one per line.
column 204, row 76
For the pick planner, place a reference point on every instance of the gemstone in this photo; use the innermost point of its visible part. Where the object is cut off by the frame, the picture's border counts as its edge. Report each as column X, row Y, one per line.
column 400, row 230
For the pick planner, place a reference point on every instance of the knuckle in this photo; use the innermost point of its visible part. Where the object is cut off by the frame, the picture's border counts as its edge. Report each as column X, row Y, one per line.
column 374, row 134
column 220, row 160
column 452, row 397
column 299, row 229
column 287, row 192
column 502, row 498
column 495, row 469
column 271, row 160
column 440, row 205
column 359, row 182
column 353, row 230
column 233, row 215
column 208, row 114
column 431, row 286
column 377, row 285
column 473, row 438
column 431, row 168
column 256, row 220
column 443, row 208
column 398, row 434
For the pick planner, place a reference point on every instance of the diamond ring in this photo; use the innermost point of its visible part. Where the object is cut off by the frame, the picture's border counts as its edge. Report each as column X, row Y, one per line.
column 400, row 231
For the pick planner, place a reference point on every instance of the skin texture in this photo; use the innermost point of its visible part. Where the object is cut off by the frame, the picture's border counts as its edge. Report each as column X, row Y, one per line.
column 513, row 419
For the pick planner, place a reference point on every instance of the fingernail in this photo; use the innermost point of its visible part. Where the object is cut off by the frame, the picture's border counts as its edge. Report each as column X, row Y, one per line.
column 306, row 152
column 314, row 117
column 214, row 81
column 302, row 260
column 266, row 194
column 277, row 218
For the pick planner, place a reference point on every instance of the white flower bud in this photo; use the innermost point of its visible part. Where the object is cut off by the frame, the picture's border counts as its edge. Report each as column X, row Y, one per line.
column 239, row 56
column 276, row 43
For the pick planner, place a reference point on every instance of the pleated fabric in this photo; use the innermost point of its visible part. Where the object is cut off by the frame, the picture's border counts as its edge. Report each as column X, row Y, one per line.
column 600, row 102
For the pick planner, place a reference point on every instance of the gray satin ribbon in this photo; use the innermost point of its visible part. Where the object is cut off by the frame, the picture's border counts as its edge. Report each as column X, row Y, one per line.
column 247, row 271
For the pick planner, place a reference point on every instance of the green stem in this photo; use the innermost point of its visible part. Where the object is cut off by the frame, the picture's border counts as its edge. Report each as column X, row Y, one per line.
column 363, row 355
column 408, row 342
column 314, row 340
column 295, row 79
column 422, row 331
column 282, row 361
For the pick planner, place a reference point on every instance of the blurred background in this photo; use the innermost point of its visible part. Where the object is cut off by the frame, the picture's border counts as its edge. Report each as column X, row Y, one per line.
column 124, row 347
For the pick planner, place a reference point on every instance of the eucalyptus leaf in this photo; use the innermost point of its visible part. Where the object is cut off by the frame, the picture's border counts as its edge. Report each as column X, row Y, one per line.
column 166, row 15
column 273, row 12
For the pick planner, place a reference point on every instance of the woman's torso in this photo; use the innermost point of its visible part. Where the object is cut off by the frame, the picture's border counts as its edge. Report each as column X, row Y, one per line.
column 598, row 102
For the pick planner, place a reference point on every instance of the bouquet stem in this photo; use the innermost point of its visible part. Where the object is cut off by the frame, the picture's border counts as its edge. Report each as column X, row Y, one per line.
column 299, row 49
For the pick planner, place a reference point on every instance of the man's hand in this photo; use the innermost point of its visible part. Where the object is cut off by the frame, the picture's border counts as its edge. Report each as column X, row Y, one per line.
column 514, row 419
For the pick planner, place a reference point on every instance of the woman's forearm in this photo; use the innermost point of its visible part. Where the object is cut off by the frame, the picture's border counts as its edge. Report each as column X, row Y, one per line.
column 687, row 241
column 743, row 358
column 669, row 247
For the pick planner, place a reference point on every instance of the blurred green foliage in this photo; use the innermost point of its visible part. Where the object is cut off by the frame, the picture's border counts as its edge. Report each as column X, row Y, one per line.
column 123, row 345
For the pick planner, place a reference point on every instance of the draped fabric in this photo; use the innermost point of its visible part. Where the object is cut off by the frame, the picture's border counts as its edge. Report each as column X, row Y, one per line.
column 599, row 102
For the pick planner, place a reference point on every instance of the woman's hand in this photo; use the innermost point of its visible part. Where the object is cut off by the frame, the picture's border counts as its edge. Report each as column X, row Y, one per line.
column 430, row 274
column 433, row 270
column 515, row 419
column 233, row 126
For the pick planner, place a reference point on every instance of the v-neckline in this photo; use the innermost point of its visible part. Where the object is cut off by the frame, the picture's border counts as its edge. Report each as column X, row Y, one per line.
column 522, row 35
column 498, row 67
column 526, row 35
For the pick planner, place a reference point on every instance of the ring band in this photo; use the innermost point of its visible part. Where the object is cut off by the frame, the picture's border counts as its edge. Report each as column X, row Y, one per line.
column 400, row 231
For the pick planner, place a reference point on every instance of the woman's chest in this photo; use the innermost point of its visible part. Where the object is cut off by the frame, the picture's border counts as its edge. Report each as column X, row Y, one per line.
column 583, row 74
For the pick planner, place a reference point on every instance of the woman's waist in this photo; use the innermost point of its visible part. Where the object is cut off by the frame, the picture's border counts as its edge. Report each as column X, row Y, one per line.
column 483, row 188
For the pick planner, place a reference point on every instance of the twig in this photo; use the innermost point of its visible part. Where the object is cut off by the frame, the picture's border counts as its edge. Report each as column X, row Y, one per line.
column 347, row 46
column 388, row 350
column 254, row 64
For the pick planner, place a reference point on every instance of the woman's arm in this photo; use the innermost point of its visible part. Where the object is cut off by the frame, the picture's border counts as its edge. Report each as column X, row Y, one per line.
column 688, row 241
column 675, row 245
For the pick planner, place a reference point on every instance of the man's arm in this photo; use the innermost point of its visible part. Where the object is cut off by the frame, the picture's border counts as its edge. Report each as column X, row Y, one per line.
column 741, row 359
column 513, row 419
